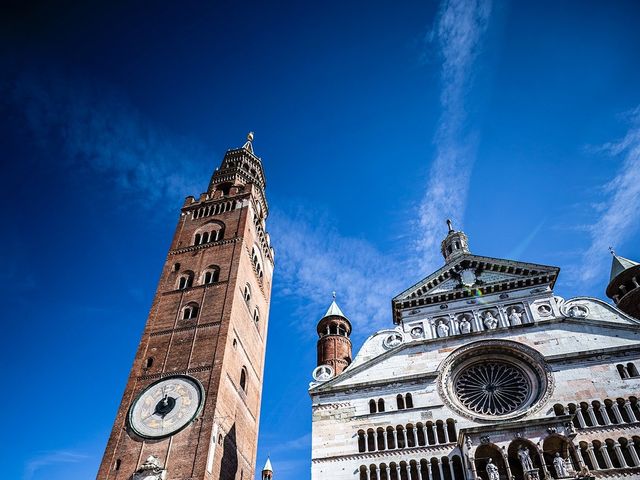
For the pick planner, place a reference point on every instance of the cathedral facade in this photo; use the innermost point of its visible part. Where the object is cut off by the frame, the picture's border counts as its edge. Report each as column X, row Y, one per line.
column 485, row 374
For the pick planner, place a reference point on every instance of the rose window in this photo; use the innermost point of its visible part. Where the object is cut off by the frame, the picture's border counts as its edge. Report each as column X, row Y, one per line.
column 495, row 378
column 492, row 388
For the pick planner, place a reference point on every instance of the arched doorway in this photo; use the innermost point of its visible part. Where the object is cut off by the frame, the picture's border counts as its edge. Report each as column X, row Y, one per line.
column 481, row 458
column 514, row 460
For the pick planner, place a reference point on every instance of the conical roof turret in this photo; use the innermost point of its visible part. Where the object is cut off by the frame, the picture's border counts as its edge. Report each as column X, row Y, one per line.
column 620, row 264
column 624, row 284
column 267, row 466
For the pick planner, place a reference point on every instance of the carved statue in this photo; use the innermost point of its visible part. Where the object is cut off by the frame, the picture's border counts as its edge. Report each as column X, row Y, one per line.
column 560, row 467
column 150, row 470
column 490, row 321
column 465, row 325
column 443, row 329
column 525, row 459
column 515, row 317
column 492, row 470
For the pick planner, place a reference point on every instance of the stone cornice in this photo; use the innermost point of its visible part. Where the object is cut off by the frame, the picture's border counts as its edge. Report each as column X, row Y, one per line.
column 193, row 248
column 183, row 329
column 380, row 454
column 188, row 371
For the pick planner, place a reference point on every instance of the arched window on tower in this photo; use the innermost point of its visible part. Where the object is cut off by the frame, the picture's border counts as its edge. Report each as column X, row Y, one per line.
column 189, row 311
column 256, row 315
column 247, row 293
column 372, row 406
column 400, row 402
column 211, row 231
column 380, row 405
column 211, row 274
column 633, row 371
column 185, row 280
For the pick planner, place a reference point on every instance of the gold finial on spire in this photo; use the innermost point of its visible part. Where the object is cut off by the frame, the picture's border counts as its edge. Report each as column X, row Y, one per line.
column 613, row 252
column 250, row 136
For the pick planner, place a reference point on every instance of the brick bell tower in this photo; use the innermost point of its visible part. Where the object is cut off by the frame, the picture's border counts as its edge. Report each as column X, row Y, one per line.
column 191, row 406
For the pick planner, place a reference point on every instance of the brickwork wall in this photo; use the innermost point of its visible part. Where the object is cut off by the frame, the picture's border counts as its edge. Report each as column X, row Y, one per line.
column 213, row 347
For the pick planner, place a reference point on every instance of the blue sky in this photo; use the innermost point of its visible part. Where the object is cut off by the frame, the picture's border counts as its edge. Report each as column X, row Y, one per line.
column 376, row 121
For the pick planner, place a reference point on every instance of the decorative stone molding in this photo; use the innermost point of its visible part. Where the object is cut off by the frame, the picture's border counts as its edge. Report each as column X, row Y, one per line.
column 150, row 470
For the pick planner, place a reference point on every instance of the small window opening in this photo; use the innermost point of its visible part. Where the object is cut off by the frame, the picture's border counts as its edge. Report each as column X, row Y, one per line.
column 149, row 362
column 116, row 466
column 243, row 379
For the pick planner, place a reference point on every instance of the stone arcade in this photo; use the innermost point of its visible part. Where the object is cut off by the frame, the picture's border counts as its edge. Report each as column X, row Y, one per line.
column 486, row 374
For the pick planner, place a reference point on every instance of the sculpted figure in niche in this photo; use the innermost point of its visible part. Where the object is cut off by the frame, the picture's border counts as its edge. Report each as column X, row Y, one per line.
column 465, row 325
column 515, row 317
column 525, row 459
column 560, row 467
column 492, row 470
column 443, row 329
column 489, row 320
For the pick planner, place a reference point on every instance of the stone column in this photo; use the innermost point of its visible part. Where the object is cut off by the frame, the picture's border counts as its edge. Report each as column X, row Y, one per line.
column 387, row 472
column 634, row 455
column 408, row 469
column 592, row 457
column 506, row 464
column 616, row 412
column 605, row 414
column 453, row 325
column 434, row 430
column 578, row 453
column 632, row 415
column 375, row 471
column 398, row 471
column 419, row 470
column 477, row 323
column 440, row 468
column 404, row 435
column 618, row 450
column 415, row 436
column 592, row 416
column 386, row 440
column 581, row 421
column 453, row 475
column 503, row 320
column 395, row 438
column 432, row 329
column 605, row 455
column 375, row 441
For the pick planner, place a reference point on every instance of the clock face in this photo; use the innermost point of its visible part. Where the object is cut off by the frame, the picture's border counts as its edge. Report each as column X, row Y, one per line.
column 167, row 406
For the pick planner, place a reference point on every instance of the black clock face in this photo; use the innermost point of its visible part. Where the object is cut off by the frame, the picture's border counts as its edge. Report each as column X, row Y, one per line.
column 167, row 406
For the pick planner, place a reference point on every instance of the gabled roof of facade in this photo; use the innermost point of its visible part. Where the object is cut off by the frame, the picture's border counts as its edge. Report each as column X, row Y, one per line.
column 481, row 275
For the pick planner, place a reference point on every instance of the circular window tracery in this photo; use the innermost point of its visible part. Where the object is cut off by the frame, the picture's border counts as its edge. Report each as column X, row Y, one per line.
column 492, row 388
column 495, row 378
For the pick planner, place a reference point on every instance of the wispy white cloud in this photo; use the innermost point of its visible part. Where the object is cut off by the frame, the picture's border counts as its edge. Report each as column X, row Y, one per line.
column 313, row 260
column 458, row 35
column 619, row 209
column 49, row 459
column 96, row 129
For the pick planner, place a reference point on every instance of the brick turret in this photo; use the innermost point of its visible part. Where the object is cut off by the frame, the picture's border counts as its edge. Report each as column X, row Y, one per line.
column 334, row 345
